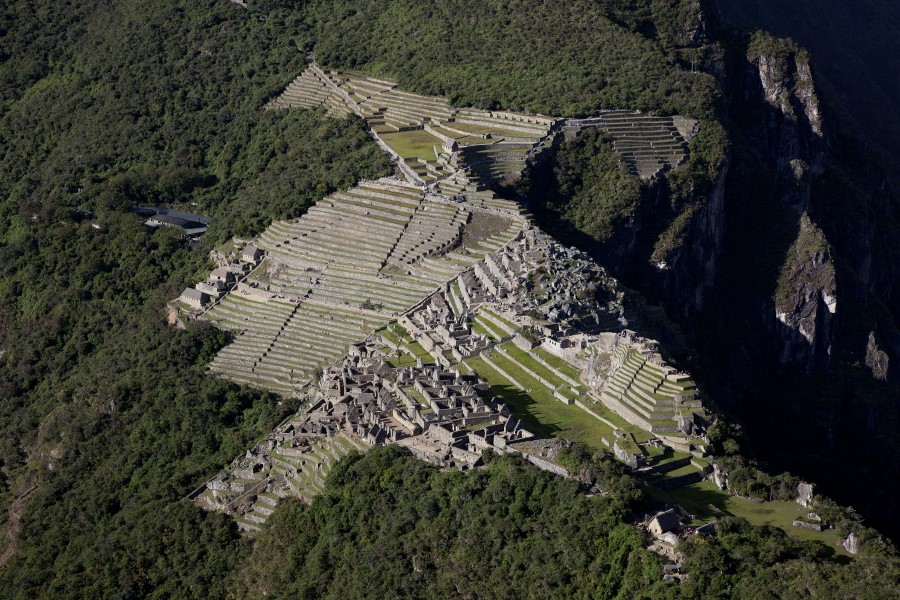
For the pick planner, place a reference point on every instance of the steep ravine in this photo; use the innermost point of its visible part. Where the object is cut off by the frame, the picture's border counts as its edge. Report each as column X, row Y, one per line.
column 784, row 276
column 797, row 331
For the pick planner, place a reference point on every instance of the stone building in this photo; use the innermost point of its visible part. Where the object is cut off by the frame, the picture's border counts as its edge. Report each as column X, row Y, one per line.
column 664, row 522
column 194, row 298
column 251, row 253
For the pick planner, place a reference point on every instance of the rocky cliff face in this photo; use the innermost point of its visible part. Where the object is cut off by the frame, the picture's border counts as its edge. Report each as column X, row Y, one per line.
column 794, row 149
column 689, row 273
column 797, row 331
column 806, row 300
column 783, row 272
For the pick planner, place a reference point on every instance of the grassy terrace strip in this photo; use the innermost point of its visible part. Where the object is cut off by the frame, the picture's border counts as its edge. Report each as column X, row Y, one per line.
column 538, row 409
column 526, row 359
column 478, row 328
column 486, row 326
column 500, row 318
column 558, row 363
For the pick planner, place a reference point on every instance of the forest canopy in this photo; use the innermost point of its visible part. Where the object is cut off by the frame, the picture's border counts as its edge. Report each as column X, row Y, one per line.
column 390, row 526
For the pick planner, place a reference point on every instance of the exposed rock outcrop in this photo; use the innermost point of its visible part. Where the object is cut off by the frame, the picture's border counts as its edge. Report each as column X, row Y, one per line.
column 877, row 359
column 806, row 299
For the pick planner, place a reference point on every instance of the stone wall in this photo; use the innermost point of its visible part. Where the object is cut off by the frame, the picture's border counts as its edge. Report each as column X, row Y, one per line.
column 564, row 354
column 545, row 465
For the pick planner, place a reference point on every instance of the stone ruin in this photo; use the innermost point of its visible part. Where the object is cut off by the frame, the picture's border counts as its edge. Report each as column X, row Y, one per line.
column 309, row 287
column 550, row 302
column 463, row 272
column 440, row 415
column 804, row 494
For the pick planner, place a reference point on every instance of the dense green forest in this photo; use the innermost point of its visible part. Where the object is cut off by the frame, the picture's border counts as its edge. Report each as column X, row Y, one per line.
column 107, row 417
column 390, row 526
column 584, row 189
column 561, row 59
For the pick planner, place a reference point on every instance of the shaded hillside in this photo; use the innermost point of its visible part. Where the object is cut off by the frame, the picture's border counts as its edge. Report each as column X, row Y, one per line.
column 856, row 53
column 784, row 273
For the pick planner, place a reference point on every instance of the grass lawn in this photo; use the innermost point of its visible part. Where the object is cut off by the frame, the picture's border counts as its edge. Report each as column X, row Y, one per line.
column 496, row 332
column 388, row 335
column 420, row 352
column 412, row 144
column 542, row 414
column 404, row 360
column 639, row 434
column 416, row 395
column 526, row 359
column 502, row 320
column 478, row 328
column 707, row 502
column 557, row 363
column 400, row 333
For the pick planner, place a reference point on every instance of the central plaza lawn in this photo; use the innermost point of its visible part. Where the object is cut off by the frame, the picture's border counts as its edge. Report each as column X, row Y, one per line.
column 541, row 412
column 413, row 144
column 403, row 360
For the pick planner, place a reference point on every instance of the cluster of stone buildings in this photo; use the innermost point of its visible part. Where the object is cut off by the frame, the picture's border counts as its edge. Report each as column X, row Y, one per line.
column 440, row 414
column 222, row 279
column 533, row 291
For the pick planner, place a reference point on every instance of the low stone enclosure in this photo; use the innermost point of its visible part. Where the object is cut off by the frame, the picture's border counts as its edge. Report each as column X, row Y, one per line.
column 433, row 141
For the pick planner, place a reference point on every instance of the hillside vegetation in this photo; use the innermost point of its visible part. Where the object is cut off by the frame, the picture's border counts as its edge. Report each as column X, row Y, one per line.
column 390, row 526
column 108, row 418
column 561, row 59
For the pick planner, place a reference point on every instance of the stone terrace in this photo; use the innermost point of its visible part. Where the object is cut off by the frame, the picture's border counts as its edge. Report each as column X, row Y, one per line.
column 646, row 144
column 353, row 262
column 428, row 136
column 309, row 90
column 647, row 392
column 489, row 146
